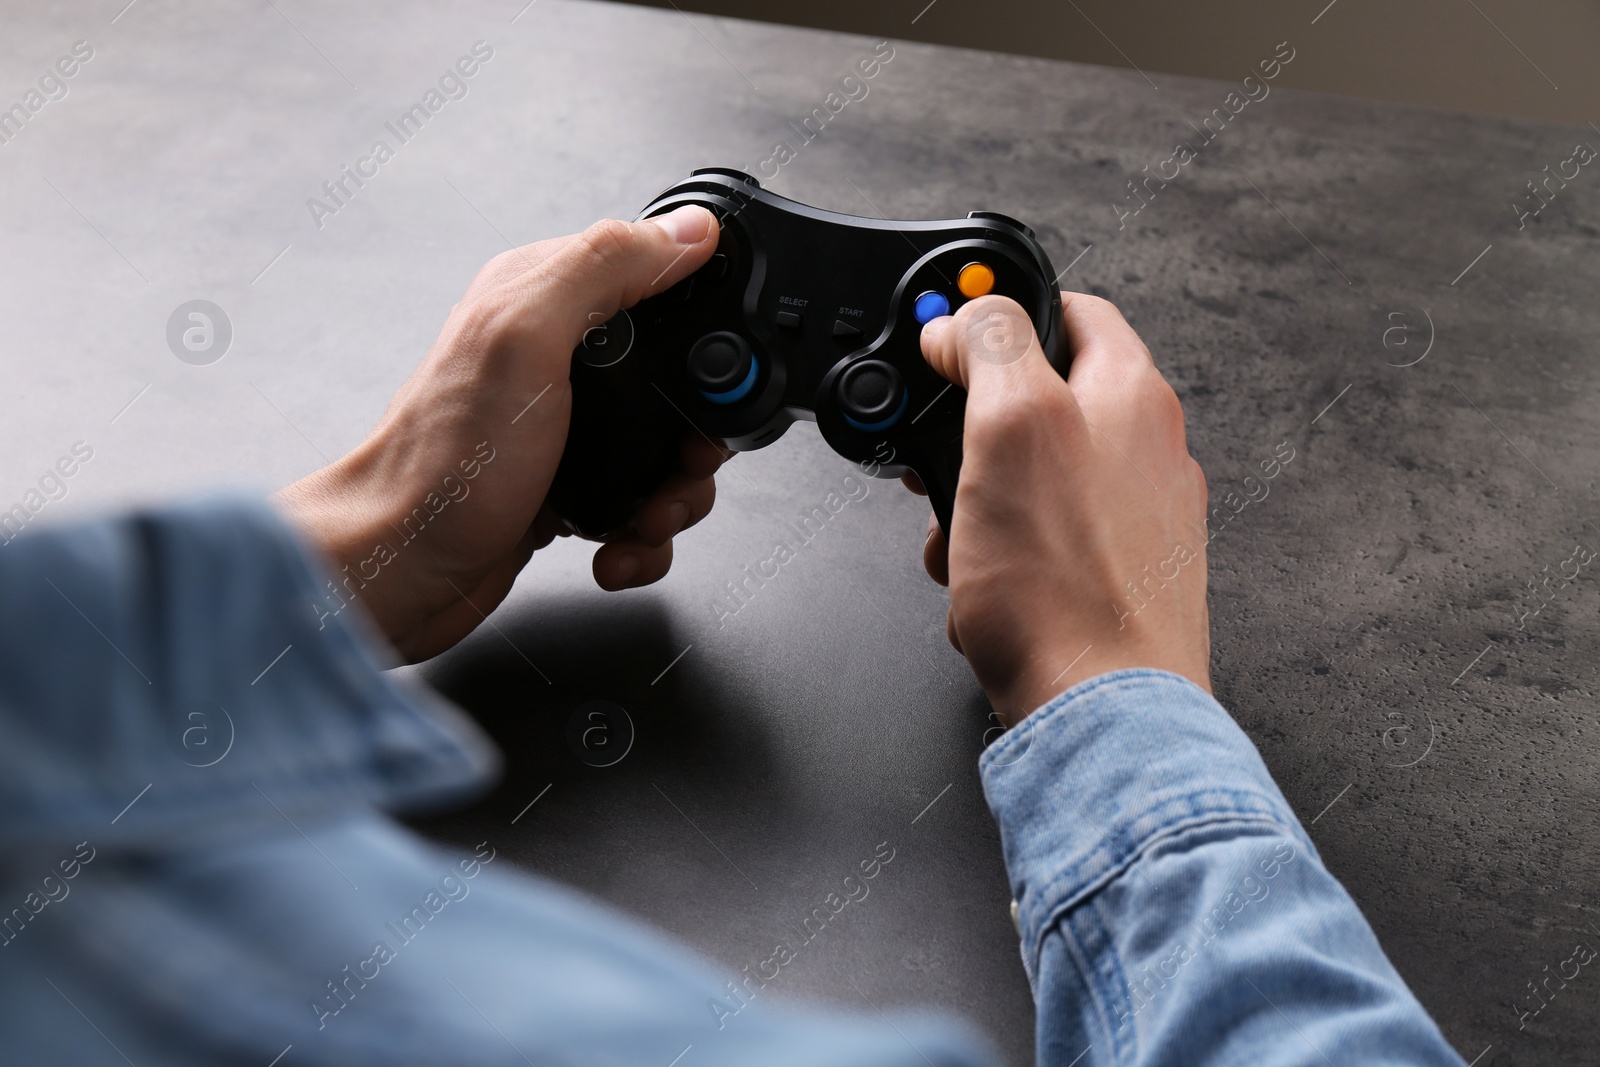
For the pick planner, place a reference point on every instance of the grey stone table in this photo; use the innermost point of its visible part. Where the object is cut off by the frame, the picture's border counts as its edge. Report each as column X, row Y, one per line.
column 1405, row 622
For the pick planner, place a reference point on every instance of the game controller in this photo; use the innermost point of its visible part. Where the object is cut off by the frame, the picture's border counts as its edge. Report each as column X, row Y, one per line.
column 800, row 313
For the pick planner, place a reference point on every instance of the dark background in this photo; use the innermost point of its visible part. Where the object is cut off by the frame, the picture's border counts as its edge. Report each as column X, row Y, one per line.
column 1531, row 58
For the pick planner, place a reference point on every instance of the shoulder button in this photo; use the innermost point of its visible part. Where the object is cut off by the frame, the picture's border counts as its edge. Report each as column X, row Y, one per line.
column 726, row 172
column 996, row 216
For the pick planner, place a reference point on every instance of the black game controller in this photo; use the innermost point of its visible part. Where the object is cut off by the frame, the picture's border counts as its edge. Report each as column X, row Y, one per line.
column 801, row 313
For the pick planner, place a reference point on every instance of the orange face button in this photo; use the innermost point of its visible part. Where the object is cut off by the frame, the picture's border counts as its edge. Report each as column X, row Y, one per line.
column 976, row 280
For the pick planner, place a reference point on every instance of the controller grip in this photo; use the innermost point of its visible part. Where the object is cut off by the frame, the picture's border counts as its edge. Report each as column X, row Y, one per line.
column 623, row 444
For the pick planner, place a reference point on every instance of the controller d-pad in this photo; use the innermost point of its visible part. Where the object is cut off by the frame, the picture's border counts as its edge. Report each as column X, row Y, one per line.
column 722, row 367
column 871, row 395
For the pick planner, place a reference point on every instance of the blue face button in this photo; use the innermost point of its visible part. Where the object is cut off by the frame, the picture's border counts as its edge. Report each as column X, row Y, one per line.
column 931, row 305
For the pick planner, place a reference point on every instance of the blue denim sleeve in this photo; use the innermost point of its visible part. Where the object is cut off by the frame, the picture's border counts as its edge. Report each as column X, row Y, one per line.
column 163, row 671
column 1172, row 910
column 198, row 755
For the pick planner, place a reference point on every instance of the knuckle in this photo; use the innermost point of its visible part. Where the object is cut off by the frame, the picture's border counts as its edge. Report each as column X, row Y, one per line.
column 607, row 240
column 1097, row 306
column 1019, row 415
column 496, row 272
column 501, row 265
column 1157, row 395
column 1197, row 475
column 483, row 319
column 705, row 500
column 1171, row 406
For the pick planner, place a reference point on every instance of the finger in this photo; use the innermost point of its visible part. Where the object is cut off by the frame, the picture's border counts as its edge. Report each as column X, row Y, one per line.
column 913, row 483
column 613, row 265
column 701, row 457
column 990, row 348
column 673, row 508
column 950, row 630
column 1113, row 377
column 936, row 553
column 630, row 564
column 1096, row 331
column 989, row 344
column 547, row 526
column 1109, row 362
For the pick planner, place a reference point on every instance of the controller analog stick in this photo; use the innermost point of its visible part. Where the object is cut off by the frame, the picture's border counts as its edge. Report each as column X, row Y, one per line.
column 722, row 367
column 871, row 395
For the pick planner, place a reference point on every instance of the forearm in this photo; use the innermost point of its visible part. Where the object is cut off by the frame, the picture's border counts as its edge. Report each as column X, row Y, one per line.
column 1171, row 908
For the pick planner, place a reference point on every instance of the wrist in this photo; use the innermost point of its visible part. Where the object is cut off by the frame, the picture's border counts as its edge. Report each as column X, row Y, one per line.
column 1049, row 673
column 347, row 511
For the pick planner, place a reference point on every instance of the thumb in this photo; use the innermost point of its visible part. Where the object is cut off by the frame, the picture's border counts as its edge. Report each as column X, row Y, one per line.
column 613, row 265
column 990, row 349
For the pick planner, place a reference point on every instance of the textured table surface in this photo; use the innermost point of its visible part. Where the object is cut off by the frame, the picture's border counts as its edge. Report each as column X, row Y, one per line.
column 1375, row 628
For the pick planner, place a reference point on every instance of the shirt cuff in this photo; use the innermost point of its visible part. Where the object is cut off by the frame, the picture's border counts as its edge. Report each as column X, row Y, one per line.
column 1086, row 785
column 182, row 671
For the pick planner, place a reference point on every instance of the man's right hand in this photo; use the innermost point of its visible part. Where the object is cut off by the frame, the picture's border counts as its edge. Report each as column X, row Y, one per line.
column 1078, row 541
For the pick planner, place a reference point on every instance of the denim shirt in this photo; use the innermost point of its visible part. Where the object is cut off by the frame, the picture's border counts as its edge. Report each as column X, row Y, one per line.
column 199, row 863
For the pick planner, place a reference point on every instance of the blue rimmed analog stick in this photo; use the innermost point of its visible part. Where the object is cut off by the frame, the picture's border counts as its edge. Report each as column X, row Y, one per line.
column 723, row 368
column 872, row 396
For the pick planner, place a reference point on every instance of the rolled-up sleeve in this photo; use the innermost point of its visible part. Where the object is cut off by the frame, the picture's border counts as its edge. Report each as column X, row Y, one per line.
column 1171, row 908
column 196, row 737
column 195, row 658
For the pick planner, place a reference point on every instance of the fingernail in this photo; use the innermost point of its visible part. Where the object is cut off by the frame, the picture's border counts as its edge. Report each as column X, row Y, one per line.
column 677, row 515
column 627, row 569
column 936, row 327
column 687, row 225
